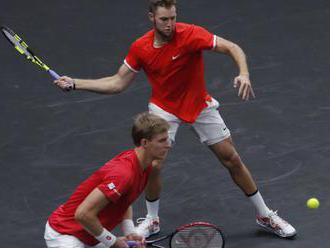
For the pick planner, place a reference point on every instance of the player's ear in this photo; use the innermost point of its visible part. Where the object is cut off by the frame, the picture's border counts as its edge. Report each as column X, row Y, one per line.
column 144, row 142
column 151, row 16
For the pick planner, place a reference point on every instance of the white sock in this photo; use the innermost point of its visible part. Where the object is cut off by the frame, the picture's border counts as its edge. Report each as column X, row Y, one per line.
column 153, row 208
column 259, row 204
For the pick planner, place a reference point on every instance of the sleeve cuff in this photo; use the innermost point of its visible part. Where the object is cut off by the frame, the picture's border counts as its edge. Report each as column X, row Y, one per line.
column 214, row 42
column 130, row 67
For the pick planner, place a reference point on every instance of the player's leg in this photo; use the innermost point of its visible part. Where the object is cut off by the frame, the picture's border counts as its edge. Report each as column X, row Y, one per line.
column 266, row 218
column 213, row 132
column 150, row 224
column 153, row 189
column 56, row 240
column 227, row 154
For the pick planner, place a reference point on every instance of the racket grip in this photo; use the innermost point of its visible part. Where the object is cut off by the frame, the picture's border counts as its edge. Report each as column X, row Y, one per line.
column 131, row 243
column 54, row 74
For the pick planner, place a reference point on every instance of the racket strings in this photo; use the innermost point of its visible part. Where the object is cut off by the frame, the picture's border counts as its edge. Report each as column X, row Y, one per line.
column 23, row 49
column 197, row 237
column 19, row 44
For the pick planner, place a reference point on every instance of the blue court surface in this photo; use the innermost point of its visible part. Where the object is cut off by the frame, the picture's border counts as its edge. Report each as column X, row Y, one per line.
column 50, row 140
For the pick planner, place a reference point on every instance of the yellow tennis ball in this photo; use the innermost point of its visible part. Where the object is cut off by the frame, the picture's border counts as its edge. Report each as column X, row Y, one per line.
column 313, row 203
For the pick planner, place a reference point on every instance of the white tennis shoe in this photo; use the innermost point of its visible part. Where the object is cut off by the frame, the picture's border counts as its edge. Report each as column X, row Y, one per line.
column 147, row 226
column 275, row 224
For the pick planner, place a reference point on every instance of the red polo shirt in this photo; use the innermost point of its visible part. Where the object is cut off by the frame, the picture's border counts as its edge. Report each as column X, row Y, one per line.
column 175, row 70
column 121, row 180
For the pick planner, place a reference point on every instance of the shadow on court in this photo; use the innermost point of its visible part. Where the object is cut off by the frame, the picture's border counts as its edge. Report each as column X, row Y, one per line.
column 50, row 140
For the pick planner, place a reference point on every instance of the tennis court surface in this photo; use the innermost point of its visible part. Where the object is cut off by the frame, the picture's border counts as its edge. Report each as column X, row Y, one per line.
column 50, row 140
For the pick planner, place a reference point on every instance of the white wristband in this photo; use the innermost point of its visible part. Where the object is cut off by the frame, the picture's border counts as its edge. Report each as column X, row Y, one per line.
column 127, row 226
column 107, row 238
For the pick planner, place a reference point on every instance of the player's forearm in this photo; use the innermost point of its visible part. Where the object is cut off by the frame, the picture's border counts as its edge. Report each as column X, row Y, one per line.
column 239, row 57
column 235, row 52
column 129, row 213
column 107, row 85
column 90, row 222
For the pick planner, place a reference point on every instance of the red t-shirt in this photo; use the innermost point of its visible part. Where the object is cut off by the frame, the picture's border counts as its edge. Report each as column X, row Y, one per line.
column 121, row 180
column 175, row 70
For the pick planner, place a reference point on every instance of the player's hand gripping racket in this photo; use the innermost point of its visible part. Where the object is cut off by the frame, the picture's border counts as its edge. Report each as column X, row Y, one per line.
column 193, row 235
column 24, row 49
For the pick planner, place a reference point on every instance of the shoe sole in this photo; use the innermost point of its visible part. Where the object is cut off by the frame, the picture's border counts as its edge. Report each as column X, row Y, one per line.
column 270, row 230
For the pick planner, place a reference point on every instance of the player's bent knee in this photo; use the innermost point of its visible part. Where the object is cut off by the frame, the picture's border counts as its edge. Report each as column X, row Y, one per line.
column 233, row 162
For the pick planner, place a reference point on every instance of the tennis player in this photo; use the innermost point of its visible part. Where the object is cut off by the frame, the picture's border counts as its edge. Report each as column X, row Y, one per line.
column 103, row 201
column 171, row 55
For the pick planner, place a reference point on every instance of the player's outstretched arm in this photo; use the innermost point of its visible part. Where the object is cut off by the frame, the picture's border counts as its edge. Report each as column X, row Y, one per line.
column 242, row 81
column 107, row 85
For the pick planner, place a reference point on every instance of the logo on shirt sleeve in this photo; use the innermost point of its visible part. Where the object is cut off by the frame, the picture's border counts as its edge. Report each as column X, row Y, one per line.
column 112, row 187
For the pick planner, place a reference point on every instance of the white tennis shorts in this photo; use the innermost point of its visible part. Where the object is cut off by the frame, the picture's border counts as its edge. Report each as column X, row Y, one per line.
column 209, row 125
column 57, row 240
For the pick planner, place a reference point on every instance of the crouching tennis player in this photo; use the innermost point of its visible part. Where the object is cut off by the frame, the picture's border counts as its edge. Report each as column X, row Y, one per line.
column 104, row 200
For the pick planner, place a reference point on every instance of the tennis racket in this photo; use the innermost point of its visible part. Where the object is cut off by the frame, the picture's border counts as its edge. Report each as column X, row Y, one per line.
column 193, row 235
column 24, row 49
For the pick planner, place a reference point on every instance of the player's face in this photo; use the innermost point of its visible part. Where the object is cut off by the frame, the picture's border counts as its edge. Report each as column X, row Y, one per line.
column 164, row 20
column 158, row 146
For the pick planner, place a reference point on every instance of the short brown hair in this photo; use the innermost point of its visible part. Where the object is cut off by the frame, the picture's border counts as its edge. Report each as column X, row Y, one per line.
column 154, row 4
column 146, row 126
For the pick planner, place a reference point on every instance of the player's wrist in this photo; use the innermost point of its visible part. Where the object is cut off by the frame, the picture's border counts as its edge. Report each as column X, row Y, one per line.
column 106, row 238
column 244, row 74
column 127, row 227
column 73, row 84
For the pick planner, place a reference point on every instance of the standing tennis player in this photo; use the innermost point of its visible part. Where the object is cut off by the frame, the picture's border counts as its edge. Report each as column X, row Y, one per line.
column 171, row 55
column 103, row 201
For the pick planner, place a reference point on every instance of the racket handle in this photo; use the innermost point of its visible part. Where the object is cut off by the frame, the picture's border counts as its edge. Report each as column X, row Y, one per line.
column 54, row 74
column 131, row 243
